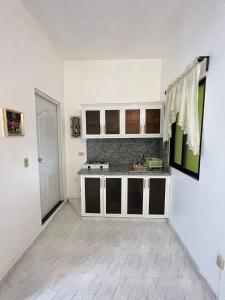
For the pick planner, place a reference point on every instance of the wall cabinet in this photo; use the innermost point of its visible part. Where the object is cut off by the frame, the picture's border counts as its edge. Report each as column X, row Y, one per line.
column 132, row 121
column 125, row 196
column 112, row 121
column 122, row 120
column 93, row 122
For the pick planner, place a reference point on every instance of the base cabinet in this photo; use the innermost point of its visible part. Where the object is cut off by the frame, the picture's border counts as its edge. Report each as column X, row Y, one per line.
column 135, row 196
column 91, row 195
column 156, row 196
column 125, row 196
column 113, row 195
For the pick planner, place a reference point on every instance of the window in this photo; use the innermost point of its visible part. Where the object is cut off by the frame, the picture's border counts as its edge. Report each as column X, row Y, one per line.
column 181, row 157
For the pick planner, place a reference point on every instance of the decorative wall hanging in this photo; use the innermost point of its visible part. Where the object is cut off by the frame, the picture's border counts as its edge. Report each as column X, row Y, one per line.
column 13, row 122
column 75, row 126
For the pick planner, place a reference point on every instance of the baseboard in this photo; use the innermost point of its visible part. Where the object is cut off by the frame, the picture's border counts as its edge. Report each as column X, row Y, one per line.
column 193, row 263
column 24, row 252
column 125, row 219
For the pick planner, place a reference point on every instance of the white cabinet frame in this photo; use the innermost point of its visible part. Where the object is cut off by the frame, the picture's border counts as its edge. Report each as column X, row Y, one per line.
column 136, row 135
column 126, row 197
column 121, row 127
column 124, row 185
column 166, row 205
column 122, row 107
column 122, row 196
column 153, row 135
column 83, row 127
column 83, row 202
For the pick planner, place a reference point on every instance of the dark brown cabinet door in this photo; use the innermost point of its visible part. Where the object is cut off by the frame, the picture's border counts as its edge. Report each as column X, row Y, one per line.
column 135, row 196
column 112, row 122
column 113, row 195
column 157, row 194
column 152, row 120
column 92, row 195
column 93, row 122
column 132, row 117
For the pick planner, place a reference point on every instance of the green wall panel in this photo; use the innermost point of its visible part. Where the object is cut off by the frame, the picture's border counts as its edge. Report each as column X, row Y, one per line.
column 178, row 145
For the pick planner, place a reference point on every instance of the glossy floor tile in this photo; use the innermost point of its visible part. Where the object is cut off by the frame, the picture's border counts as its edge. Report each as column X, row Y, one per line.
column 104, row 259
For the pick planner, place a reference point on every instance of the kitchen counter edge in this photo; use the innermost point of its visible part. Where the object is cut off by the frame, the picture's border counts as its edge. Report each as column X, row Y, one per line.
column 117, row 170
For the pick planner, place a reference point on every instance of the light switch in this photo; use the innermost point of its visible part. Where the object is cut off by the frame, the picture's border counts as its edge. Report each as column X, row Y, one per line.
column 81, row 153
column 26, row 162
column 220, row 262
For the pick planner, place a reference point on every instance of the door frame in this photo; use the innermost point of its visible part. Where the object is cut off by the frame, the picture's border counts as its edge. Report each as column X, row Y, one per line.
column 59, row 123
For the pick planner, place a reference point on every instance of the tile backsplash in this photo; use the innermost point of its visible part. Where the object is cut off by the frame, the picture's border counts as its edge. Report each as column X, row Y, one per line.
column 126, row 151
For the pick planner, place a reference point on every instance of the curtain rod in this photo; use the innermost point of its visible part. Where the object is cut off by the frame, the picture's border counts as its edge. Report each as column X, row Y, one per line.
column 200, row 59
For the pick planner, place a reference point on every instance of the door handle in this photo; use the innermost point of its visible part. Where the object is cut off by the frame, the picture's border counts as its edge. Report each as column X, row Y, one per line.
column 39, row 159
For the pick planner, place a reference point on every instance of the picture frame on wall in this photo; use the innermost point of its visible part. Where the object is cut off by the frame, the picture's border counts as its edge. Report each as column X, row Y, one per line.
column 13, row 122
column 2, row 132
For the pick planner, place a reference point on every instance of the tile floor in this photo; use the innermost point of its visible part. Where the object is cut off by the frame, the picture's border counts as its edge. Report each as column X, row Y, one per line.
column 103, row 259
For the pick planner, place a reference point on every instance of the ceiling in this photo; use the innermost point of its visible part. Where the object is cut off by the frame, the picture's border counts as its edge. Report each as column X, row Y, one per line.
column 108, row 29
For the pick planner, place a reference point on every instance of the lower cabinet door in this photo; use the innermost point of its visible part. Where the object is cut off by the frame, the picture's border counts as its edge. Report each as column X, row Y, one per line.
column 113, row 195
column 156, row 196
column 135, row 196
column 92, row 186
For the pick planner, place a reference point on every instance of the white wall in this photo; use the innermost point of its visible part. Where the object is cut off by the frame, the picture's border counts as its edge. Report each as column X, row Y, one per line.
column 100, row 82
column 27, row 61
column 198, row 207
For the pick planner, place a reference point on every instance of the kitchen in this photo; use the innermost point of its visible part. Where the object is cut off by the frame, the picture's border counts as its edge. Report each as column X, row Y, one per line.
column 131, row 205
column 125, row 154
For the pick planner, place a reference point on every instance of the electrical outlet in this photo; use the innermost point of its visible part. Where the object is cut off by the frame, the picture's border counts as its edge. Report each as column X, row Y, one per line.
column 26, row 162
column 220, row 262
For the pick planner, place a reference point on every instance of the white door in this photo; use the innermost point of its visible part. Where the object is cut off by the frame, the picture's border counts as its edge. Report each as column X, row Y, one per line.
column 48, row 153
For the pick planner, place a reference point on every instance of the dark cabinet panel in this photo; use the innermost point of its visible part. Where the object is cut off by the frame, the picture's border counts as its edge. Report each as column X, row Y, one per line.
column 113, row 195
column 152, row 121
column 93, row 122
column 132, row 121
column 112, row 121
column 135, row 196
column 157, row 193
column 92, row 195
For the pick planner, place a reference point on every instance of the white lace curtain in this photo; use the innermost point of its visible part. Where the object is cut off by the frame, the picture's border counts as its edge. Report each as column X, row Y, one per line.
column 182, row 100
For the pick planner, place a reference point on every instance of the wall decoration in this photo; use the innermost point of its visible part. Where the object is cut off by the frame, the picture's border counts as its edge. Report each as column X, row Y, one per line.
column 75, row 126
column 13, row 122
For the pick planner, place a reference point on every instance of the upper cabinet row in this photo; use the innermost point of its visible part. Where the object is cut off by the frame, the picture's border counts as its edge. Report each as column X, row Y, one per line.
column 124, row 121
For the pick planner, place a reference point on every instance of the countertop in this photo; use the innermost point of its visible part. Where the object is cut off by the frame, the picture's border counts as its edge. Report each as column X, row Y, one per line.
column 124, row 170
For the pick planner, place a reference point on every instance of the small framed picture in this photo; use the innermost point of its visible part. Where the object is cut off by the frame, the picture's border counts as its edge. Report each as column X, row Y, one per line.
column 13, row 122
